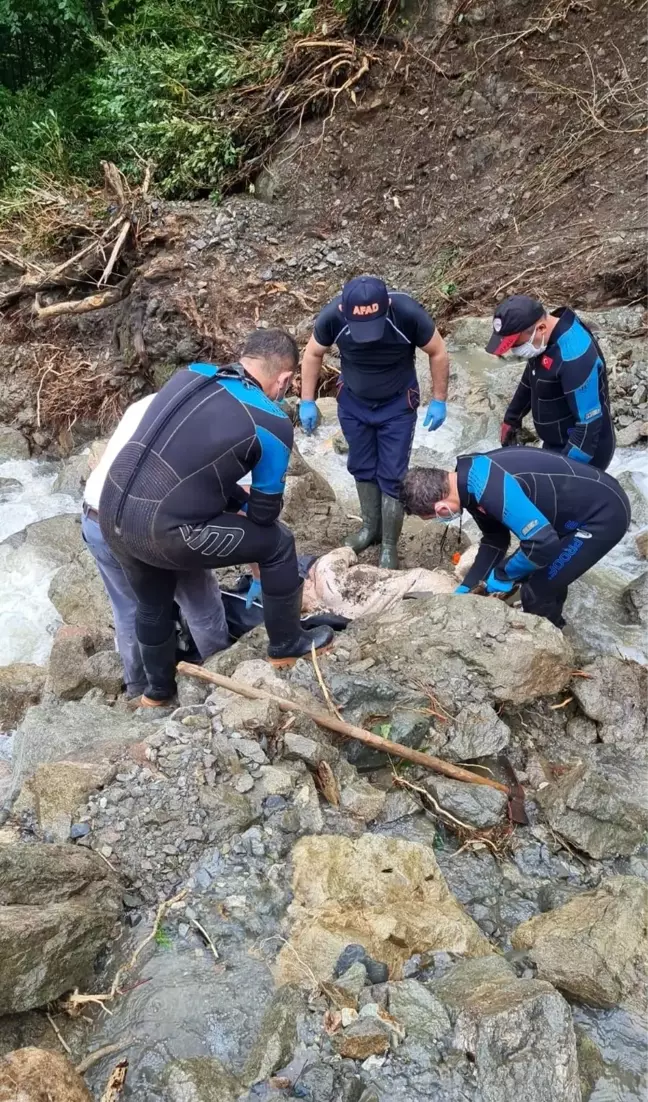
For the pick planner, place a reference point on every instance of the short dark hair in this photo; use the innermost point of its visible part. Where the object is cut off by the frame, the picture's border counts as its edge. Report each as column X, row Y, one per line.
column 422, row 488
column 274, row 347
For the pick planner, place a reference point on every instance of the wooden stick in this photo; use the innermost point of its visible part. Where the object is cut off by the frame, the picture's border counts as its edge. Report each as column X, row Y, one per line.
column 123, row 233
column 85, row 305
column 342, row 728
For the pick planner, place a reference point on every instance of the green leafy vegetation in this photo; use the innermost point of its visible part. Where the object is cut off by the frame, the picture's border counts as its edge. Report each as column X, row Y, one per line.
column 163, row 938
column 136, row 81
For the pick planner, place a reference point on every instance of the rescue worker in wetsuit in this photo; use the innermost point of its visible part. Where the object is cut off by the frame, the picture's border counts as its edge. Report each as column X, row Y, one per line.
column 171, row 502
column 567, row 515
column 377, row 333
column 564, row 383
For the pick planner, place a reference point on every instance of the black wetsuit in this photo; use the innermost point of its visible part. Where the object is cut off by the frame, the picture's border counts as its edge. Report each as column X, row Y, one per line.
column 566, row 390
column 567, row 516
column 170, row 500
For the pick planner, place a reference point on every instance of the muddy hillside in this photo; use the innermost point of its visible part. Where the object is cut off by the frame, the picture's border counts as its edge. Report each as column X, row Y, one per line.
column 227, row 899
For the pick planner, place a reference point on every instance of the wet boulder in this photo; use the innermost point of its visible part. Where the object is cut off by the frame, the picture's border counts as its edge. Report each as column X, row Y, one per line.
column 475, row 732
column 56, row 790
column 13, row 445
column 58, row 906
column 79, row 596
column 477, row 805
column 77, row 663
column 468, row 646
column 200, row 1079
column 600, row 806
column 21, row 685
column 635, row 597
column 595, row 947
column 54, row 731
column 614, row 693
column 385, row 894
column 40, row 1076
column 518, row 1032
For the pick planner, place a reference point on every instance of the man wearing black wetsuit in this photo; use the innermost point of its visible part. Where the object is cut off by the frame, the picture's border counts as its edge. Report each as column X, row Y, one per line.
column 377, row 333
column 171, row 502
column 564, row 383
column 566, row 515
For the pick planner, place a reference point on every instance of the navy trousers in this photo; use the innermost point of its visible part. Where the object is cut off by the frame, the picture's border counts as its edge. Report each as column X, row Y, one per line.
column 379, row 436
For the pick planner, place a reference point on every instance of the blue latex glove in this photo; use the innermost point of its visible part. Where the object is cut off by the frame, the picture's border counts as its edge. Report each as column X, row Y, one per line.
column 495, row 585
column 253, row 593
column 462, row 589
column 308, row 416
column 435, row 416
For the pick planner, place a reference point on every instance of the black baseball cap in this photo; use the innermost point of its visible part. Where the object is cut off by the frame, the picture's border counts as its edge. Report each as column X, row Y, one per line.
column 513, row 316
column 365, row 303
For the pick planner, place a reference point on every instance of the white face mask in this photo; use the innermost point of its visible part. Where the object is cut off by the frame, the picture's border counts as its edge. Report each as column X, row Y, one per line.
column 527, row 350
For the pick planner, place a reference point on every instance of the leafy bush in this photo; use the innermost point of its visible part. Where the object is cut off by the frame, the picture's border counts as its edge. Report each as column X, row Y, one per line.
column 138, row 79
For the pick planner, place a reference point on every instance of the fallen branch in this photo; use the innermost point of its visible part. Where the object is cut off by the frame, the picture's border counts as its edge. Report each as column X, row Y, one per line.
column 112, row 260
column 58, row 1033
column 116, row 1082
column 85, row 305
column 77, row 999
column 93, row 1058
column 348, row 730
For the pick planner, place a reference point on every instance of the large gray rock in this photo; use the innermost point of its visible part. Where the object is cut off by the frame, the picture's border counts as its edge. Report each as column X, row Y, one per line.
column 78, row 594
column 615, row 695
column 200, row 1079
column 277, row 1034
column 595, row 948
column 58, row 905
column 518, row 1032
column 13, row 444
column 478, row 805
column 366, row 696
column 476, row 732
column 635, row 597
column 20, row 686
column 229, row 812
column 416, row 1008
column 638, row 503
column 53, row 732
column 58, row 539
column 601, row 806
column 456, row 641
column 75, row 666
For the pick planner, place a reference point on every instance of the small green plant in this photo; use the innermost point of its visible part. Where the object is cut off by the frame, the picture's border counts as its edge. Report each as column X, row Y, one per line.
column 163, row 938
column 383, row 730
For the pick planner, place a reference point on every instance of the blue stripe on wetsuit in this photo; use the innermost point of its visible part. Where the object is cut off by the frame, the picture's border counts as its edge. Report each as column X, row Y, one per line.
column 505, row 500
column 583, row 394
column 269, row 471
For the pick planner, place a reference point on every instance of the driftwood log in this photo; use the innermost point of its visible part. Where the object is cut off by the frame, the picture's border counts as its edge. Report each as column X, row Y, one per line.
column 340, row 727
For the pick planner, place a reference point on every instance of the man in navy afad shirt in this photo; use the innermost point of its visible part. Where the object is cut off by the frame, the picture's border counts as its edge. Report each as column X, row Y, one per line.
column 564, row 383
column 377, row 333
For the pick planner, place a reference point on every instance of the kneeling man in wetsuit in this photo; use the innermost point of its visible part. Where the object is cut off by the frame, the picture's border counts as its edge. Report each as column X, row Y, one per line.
column 171, row 502
column 566, row 515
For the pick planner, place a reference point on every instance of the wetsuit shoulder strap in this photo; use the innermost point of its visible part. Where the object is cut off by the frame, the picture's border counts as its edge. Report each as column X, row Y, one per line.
column 232, row 371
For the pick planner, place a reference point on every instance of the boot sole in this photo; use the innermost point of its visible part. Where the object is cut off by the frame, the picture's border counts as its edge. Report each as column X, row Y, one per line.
column 146, row 702
column 284, row 663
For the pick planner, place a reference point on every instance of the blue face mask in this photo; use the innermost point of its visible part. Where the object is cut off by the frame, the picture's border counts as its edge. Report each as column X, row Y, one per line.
column 447, row 516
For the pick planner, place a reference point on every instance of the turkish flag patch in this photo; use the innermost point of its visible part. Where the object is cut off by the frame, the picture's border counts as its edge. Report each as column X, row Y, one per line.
column 546, row 362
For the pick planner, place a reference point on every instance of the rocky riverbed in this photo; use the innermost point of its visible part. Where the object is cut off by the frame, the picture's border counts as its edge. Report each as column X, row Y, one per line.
column 247, row 909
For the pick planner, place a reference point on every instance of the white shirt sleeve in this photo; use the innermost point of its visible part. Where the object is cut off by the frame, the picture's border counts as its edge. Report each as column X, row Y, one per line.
column 122, row 434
